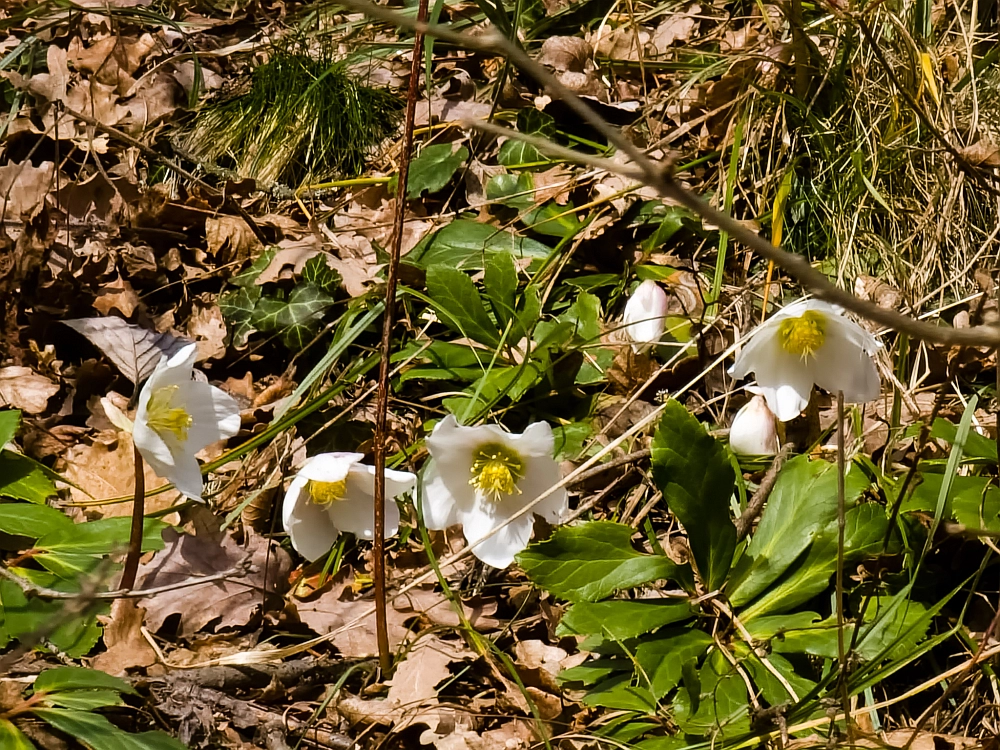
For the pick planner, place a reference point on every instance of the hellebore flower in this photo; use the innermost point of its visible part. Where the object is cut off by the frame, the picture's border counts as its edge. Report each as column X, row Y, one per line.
column 177, row 417
column 753, row 431
column 645, row 315
column 334, row 493
column 481, row 476
column 809, row 342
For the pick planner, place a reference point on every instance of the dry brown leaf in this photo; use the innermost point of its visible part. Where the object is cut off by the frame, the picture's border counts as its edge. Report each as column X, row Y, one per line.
column 134, row 350
column 567, row 53
column 118, row 295
column 51, row 86
column 436, row 609
column 104, row 472
column 676, row 27
column 232, row 235
column 982, row 153
column 126, row 646
column 208, row 328
column 553, row 184
column 624, row 43
column 23, row 189
column 448, row 110
column 112, row 60
column 229, row 603
column 25, row 389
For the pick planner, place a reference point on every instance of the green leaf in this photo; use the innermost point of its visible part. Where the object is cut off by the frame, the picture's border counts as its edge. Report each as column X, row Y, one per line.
column 619, row 693
column 295, row 319
column 79, row 678
column 585, row 315
column 696, row 478
column 771, row 688
column 9, row 420
column 717, row 703
column 84, row 700
column 98, row 733
column 11, row 738
column 23, row 478
column 24, row 618
column 459, row 305
column 237, row 307
column 33, row 521
column 262, row 261
column 801, row 505
column 466, row 244
column 663, row 658
column 591, row 561
column 101, row 537
column 500, row 284
column 553, row 220
column 620, row 619
column 317, row 272
column 593, row 671
column 514, row 190
column 515, row 153
column 434, row 168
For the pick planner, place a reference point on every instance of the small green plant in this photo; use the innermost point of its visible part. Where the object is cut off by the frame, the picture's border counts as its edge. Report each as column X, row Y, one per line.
column 298, row 119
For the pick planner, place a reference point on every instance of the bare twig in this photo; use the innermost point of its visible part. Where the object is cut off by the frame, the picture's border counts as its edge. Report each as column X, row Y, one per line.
column 614, row 463
column 239, row 571
column 388, row 322
column 756, row 504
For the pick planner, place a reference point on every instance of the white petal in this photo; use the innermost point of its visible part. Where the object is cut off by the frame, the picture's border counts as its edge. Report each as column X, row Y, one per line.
column 116, row 416
column 186, row 476
column 356, row 512
column 311, row 529
column 156, row 452
column 438, row 499
column 214, row 413
column 330, row 467
column 175, row 370
column 296, row 494
column 536, row 440
column 788, row 399
column 644, row 315
column 396, row 482
column 541, row 474
column 843, row 365
column 758, row 351
column 753, row 432
column 499, row 549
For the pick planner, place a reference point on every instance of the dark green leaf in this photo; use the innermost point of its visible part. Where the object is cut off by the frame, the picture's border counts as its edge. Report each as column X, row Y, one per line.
column 317, row 272
column 459, row 305
column 9, row 420
column 594, row 671
column 591, row 561
column 84, row 700
column 619, row 693
column 662, row 658
column 98, row 733
column 11, row 738
column 720, row 706
column 620, row 619
column 237, row 307
column 23, row 478
column 802, row 504
column 553, row 220
column 434, row 168
column 514, row 190
column 78, row 678
column 696, row 478
column 500, row 284
column 24, row 618
column 515, row 153
column 34, row 521
column 466, row 244
column 101, row 537
column 248, row 277
column 295, row 319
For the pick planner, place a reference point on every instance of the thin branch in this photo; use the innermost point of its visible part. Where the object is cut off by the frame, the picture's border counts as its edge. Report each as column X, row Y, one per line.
column 756, row 504
column 388, row 323
column 239, row 571
column 138, row 521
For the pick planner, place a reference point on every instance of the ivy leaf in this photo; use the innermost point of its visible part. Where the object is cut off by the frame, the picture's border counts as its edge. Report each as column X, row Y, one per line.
column 592, row 561
column 318, row 272
column 295, row 318
column 459, row 305
column 434, row 168
column 693, row 472
column 237, row 306
column 249, row 277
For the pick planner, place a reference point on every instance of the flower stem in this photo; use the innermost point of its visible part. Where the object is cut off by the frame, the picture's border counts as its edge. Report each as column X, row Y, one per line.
column 138, row 517
column 841, row 525
column 388, row 322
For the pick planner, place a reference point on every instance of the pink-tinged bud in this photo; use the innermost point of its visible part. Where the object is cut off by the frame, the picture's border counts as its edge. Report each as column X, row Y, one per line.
column 645, row 315
column 753, row 432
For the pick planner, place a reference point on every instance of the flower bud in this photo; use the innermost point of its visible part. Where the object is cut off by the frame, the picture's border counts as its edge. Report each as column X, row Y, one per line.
column 753, row 432
column 645, row 314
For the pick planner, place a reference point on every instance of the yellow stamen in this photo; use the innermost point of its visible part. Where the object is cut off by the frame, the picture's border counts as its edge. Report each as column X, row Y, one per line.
column 804, row 335
column 496, row 470
column 163, row 417
column 324, row 493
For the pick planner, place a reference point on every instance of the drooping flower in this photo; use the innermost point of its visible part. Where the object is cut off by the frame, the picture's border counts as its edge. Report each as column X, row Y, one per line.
column 645, row 315
column 334, row 493
column 809, row 342
column 753, row 430
column 177, row 417
column 481, row 476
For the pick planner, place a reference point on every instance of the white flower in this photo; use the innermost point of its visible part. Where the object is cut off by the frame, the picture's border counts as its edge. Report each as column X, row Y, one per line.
column 177, row 417
column 645, row 314
column 334, row 493
column 809, row 342
column 481, row 476
column 753, row 432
